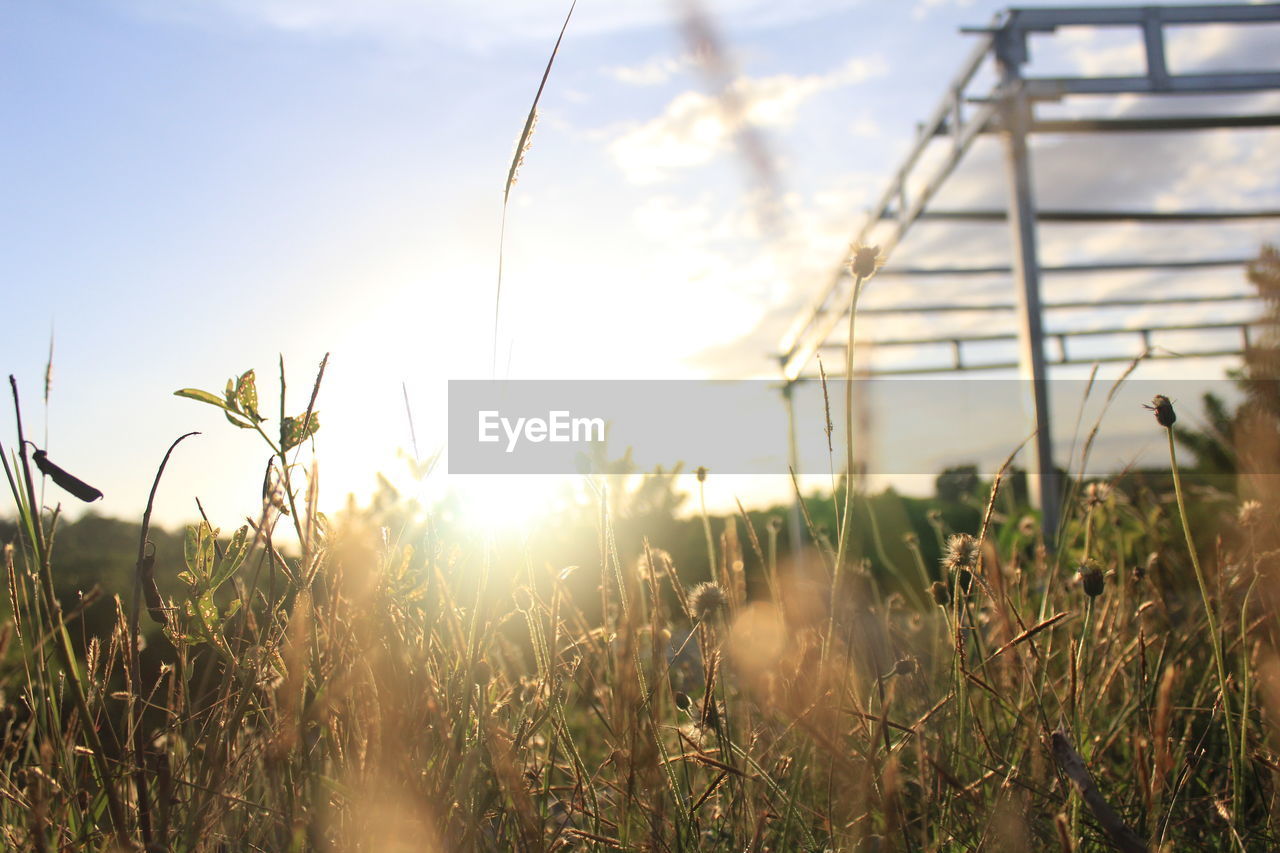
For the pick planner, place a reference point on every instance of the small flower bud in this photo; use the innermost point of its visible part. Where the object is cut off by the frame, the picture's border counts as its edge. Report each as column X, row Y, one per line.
column 941, row 595
column 701, row 472
column 1092, row 579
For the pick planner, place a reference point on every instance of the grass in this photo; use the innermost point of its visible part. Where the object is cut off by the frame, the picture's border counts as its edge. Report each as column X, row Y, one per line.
column 383, row 689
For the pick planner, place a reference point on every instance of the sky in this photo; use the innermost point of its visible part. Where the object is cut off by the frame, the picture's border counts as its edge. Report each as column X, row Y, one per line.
column 194, row 188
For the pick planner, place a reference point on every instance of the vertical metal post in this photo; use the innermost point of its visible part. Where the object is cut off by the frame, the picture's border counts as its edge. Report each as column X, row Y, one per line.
column 1016, row 114
column 795, row 528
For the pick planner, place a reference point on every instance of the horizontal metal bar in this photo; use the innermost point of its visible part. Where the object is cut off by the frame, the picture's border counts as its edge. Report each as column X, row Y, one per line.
column 1153, row 124
column 1087, row 216
column 1013, row 365
column 1064, row 269
column 1183, row 84
column 944, row 308
column 1041, row 19
column 1049, row 333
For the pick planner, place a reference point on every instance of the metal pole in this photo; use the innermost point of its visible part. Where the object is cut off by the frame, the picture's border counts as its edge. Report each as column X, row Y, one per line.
column 795, row 527
column 1016, row 113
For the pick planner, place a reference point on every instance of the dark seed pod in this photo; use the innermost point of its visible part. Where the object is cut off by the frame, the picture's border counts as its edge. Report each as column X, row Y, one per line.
column 1092, row 579
column 155, row 604
column 683, row 702
column 71, row 483
column 701, row 473
column 1163, row 408
column 906, row 666
column 941, row 595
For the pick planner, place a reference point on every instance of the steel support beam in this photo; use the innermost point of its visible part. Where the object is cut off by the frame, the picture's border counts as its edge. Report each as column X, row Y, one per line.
column 1016, row 110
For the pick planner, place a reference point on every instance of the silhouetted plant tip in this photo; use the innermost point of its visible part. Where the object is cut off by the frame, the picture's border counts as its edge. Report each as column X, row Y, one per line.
column 63, row 479
column 701, row 473
column 941, row 595
column 1163, row 409
column 865, row 261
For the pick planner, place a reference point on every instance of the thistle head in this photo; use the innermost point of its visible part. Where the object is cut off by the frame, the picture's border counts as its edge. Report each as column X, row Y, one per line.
column 705, row 600
column 962, row 552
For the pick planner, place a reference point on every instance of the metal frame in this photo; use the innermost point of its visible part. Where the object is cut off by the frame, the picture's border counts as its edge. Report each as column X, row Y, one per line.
column 1009, row 109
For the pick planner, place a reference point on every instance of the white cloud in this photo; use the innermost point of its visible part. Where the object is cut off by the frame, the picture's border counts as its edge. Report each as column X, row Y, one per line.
column 695, row 127
column 652, row 72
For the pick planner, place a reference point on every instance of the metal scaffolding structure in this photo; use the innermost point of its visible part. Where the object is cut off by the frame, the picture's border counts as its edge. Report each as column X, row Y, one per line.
column 1010, row 109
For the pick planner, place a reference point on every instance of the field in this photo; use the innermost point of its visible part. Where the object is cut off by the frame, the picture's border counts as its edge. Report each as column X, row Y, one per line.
column 376, row 681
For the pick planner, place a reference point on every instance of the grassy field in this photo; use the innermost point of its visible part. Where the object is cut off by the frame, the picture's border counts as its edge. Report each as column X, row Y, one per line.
column 383, row 685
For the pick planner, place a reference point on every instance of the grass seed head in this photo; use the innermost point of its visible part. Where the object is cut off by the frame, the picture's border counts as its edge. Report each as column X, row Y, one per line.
column 705, row 599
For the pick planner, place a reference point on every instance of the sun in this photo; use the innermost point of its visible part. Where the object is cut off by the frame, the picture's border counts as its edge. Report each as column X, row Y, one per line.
column 509, row 503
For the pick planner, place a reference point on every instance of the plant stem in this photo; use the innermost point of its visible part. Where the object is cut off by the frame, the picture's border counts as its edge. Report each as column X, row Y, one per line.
column 1214, row 635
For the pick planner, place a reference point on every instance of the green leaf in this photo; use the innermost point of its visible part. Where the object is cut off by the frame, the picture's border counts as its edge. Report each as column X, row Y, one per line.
column 235, row 421
column 292, row 433
column 207, row 612
column 232, row 558
column 246, row 396
column 202, row 396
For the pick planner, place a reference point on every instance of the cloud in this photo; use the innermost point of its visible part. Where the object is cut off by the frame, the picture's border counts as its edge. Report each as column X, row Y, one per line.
column 652, row 72
column 694, row 127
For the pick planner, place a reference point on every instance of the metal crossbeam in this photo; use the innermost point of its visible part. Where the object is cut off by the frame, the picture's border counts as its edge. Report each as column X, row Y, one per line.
column 1174, row 217
column 1059, row 334
column 951, row 307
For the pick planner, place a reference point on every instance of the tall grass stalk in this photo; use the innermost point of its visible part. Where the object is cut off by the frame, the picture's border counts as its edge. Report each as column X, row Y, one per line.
column 1215, row 636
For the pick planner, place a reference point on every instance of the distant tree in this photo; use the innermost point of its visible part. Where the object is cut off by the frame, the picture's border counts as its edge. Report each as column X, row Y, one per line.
column 955, row 484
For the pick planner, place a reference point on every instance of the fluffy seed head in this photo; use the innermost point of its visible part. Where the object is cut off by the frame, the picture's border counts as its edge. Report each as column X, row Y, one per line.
column 1096, row 494
column 962, row 552
column 1250, row 514
column 705, row 599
